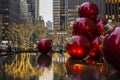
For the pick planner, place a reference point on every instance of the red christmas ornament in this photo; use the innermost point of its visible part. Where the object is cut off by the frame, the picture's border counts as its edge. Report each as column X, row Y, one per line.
column 74, row 66
column 100, row 27
column 44, row 46
column 79, row 47
column 89, row 9
column 44, row 60
column 111, row 48
column 85, row 27
column 96, row 50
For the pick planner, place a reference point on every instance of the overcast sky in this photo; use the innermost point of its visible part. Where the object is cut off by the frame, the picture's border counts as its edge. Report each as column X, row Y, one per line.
column 46, row 9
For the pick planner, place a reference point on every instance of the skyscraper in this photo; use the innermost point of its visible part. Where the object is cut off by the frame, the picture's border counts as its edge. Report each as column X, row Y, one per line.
column 59, row 14
column 34, row 9
column 10, row 13
column 25, row 15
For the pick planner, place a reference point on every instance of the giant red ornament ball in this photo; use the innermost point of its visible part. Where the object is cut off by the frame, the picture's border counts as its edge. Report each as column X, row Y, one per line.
column 44, row 46
column 96, row 49
column 44, row 60
column 85, row 27
column 111, row 48
column 89, row 9
column 100, row 27
column 79, row 47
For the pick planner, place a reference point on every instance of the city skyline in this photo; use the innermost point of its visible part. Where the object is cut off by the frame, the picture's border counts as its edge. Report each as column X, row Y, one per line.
column 46, row 10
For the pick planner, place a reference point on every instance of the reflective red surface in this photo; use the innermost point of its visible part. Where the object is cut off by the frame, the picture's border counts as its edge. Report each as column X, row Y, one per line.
column 100, row 27
column 24, row 66
column 85, row 27
column 79, row 48
column 44, row 46
column 111, row 48
column 44, row 60
column 79, row 70
column 88, row 9
column 96, row 50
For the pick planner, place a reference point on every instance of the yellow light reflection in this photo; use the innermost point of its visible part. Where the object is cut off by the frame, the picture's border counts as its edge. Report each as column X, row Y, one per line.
column 21, row 67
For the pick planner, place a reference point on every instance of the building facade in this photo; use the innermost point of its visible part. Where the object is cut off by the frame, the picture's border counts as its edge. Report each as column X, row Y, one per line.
column 10, row 13
column 108, row 9
column 112, row 9
column 72, row 10
column 34, row 9
column 25, row 15
column 66, row 11
column 59, row 14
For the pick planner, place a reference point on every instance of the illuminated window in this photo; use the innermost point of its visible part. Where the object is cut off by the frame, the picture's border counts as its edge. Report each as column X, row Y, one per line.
column 6, row 16
column 113, row 1
column 119, row 16
column 5, row 23
column 70, row 10
column 113, row 16
column 106, row 16
column 116, row 1
column 107, row 1
column 62, row 14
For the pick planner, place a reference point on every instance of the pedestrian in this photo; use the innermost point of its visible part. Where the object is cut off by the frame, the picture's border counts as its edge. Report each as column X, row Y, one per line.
column 9, row 50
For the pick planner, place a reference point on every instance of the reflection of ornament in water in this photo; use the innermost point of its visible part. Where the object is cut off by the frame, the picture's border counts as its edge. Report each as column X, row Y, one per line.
column 21, row 67
column 79, row 70
column 44, row 60
column 74, row 66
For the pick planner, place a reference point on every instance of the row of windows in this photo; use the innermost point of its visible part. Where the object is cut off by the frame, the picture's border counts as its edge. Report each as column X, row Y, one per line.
column 112, row 16
column 112, row 1
column 4, row 9
column 62, row 14
column 56, row 23
column 56, row 7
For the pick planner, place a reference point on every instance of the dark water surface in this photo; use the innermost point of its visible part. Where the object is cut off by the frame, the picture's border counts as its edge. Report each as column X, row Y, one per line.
column 32, row 66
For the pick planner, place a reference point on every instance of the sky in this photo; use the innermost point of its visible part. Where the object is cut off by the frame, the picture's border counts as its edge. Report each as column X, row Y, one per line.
column 46, row 10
